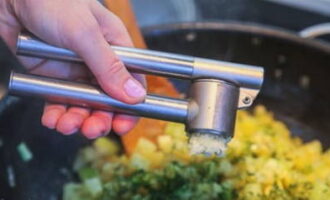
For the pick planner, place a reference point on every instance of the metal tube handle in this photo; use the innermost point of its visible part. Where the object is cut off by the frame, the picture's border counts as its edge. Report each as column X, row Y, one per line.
column 157, row 63
column 137, row 60
column 84, row 95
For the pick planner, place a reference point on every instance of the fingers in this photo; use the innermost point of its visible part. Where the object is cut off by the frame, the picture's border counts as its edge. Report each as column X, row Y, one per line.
column 71, row 121
column 98, row 124
column 55, row 69
column 109, row 71
column 51, row 115
column 122, row 124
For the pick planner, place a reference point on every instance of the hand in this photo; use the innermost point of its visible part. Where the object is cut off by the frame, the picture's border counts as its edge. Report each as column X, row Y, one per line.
column 87, row 28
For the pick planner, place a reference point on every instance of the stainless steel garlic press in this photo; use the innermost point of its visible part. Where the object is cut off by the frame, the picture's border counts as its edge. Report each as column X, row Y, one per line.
column 217, row 88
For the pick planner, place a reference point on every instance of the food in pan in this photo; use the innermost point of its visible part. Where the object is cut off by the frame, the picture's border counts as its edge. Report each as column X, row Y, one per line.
column 263, row 161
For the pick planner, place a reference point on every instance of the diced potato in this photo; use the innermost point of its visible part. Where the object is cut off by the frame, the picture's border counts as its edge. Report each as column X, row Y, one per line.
column 155, row 158
column 165, row 143
column 105, row 146
column 321, row 191
column 144, row 146
column 177, row 131
column 252, row 191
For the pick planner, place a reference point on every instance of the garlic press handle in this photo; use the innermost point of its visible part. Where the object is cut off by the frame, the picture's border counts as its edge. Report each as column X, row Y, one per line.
column 84, row 95
column 157, row 63
column 137, row 60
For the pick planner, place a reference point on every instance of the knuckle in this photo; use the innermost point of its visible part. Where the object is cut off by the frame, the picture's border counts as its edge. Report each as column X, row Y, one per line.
column 115, row 68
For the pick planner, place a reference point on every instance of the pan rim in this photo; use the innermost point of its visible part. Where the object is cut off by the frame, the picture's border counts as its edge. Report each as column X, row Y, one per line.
column 240, row 27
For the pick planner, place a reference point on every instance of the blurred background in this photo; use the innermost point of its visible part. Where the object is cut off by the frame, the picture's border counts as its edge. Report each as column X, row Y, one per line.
column 290, row 14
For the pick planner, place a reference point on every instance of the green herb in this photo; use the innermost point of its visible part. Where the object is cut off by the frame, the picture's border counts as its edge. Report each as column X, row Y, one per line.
column 174, row 181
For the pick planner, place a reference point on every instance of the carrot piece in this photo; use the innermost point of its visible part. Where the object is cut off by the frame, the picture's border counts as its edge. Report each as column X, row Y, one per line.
column 147, row 128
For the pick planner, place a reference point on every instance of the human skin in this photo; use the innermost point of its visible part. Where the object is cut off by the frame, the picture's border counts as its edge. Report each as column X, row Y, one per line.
column 87, row 28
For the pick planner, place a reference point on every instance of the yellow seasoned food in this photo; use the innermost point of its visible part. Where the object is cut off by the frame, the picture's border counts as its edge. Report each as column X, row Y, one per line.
column 263, row 161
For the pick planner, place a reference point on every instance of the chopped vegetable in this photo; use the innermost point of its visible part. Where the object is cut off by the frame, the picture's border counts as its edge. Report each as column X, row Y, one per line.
column 93, row 186
column 74, row 191
column 11, row 176
column 24, row 152
column 106, row 147
column 262, row 162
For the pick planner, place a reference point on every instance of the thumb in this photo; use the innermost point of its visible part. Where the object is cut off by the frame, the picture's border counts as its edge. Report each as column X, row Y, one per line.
column 110, row 72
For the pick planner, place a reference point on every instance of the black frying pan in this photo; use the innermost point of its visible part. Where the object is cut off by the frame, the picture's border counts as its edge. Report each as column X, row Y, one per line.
column 296, row 89
column 296, row 84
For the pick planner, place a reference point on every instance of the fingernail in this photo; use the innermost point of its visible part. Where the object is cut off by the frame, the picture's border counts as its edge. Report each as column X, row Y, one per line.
column 50, row 127
column 73, row 131
column 105, row 133
column 134, row 89
column 93, row 136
